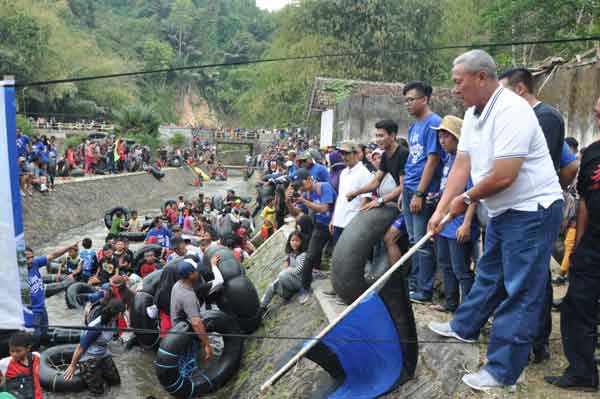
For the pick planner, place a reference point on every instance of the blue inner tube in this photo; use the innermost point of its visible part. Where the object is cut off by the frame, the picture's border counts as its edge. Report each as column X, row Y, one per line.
column 177, row 366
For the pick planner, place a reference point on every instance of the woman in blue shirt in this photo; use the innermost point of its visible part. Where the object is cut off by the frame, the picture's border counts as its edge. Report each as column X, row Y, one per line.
column 93, row 356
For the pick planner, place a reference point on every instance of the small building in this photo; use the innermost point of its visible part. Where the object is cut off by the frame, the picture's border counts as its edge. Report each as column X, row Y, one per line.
column 350, row 108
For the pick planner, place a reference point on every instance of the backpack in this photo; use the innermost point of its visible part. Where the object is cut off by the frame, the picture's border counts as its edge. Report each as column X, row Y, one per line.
column 22, row 386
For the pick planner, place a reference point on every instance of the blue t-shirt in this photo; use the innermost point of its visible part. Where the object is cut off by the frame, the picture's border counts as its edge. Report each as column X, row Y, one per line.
column 566, row 156
column 94, row 343
column 89, row 262
column 450, row 228
column 319, row 172
column 422, row 141
column 22, row 142
column 292, row 170
column 36, row 284
column 163, row 234
column 327, row 195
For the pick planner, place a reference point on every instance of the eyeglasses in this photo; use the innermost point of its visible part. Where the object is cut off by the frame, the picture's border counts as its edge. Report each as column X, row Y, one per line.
column 410, row 100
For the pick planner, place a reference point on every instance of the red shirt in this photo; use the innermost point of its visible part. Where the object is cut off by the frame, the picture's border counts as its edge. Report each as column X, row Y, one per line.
column 10, row 368
column 146, row 269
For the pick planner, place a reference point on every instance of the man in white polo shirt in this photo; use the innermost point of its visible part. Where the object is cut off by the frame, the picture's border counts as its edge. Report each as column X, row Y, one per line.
column 503, row 149
column 353, row 177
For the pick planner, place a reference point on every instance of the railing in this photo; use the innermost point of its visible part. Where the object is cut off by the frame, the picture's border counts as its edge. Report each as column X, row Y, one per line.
column 242, row 136
column 96, row 126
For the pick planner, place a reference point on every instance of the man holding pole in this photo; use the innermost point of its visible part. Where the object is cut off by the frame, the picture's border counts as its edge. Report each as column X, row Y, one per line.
column 503, row 149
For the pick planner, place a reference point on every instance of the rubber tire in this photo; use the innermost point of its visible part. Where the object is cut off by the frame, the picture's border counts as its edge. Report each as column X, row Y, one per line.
column 74, row 290
column 139, row 254
column 58, row 336
column 151, row 281
column 108, row 215
column 157, row 173
column 51, row 278
column 52, row 379
column 52, row 267
column 77, row 172
column 229, row 266
column 354, row 248
column 55, row 288
column 133, row 236
column 239, row 299
column 94, row 312
column 140, row 319
column 174, row 346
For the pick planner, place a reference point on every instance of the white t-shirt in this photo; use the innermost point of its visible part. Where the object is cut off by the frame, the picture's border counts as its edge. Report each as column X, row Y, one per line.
column 508, row 128
column 351, row 179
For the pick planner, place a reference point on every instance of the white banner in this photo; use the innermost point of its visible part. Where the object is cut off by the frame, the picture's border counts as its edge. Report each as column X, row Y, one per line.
column 327, row 128
column 11, row 227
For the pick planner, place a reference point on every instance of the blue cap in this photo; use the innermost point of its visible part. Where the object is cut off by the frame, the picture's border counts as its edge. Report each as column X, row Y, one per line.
column 185, row 268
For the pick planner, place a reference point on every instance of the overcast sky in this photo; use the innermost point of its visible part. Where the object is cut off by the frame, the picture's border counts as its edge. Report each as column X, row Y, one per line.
column 271, row 5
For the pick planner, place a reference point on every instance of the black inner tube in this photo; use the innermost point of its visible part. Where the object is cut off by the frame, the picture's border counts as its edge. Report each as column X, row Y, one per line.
column 184, row 373
column 53, row 362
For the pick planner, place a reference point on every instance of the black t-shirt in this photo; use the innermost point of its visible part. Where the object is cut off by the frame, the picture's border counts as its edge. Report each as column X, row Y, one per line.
column 394, row 164
column 588, row 187
column 108, row 268
column 553, row 126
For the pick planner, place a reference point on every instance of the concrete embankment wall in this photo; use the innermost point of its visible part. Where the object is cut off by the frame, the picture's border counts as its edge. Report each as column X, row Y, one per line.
column 574, row 92
column 79, row 202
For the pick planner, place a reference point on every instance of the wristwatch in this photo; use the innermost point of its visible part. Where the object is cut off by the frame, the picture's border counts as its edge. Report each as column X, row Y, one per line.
column 467, row 199
column 419, row 194
column 381, row 201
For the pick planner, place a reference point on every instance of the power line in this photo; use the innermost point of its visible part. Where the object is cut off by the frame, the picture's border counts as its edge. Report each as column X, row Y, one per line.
column 373, row 51
column 374, row 340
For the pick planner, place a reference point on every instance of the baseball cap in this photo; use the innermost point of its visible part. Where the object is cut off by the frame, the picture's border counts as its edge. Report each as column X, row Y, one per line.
column 304, row 156
column 452, row 125
column 185, row 267
column 300, row 175
column 348, row 146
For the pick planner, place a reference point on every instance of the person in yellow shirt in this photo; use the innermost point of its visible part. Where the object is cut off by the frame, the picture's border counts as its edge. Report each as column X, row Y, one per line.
column 269, row 215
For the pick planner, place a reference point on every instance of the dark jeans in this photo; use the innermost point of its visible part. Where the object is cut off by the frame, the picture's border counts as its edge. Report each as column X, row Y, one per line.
column 545, row 328
column 40, row 318
column 337, row 232
column 95, row 372
column 511, row 281
column 422, row 270
column 578, row 318
column 454, row 259
column 319, row 238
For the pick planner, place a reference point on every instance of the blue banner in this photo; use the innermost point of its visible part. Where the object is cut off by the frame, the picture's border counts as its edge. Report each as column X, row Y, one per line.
column 14, row 290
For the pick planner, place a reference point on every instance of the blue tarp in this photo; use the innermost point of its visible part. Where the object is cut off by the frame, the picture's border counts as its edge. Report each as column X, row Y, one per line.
column 373, row 359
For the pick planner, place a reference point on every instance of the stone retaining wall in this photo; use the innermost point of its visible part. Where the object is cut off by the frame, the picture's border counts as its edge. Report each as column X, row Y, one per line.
column 79, row 202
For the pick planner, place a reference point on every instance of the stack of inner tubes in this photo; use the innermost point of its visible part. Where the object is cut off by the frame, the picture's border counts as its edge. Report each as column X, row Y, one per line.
column 177, row 360
column 239, row 297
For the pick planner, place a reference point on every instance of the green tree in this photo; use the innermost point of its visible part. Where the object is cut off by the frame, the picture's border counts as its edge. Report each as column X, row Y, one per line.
column 177, row 140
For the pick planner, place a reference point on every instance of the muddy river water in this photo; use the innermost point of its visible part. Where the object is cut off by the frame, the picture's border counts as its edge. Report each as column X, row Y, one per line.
column 138, row 379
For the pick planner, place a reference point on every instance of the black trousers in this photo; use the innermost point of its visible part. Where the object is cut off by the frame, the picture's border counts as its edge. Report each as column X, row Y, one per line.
column 318, row 239
column 578, row 319
column 545, row 326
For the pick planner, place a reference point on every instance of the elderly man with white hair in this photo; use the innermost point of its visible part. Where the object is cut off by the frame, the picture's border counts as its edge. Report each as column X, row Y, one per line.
column 503, row 149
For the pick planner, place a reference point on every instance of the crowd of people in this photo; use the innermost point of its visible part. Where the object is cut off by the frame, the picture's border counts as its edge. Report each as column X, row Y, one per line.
column 504, row 175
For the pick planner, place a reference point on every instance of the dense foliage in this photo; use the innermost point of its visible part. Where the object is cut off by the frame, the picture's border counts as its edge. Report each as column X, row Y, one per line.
column 50, row 39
